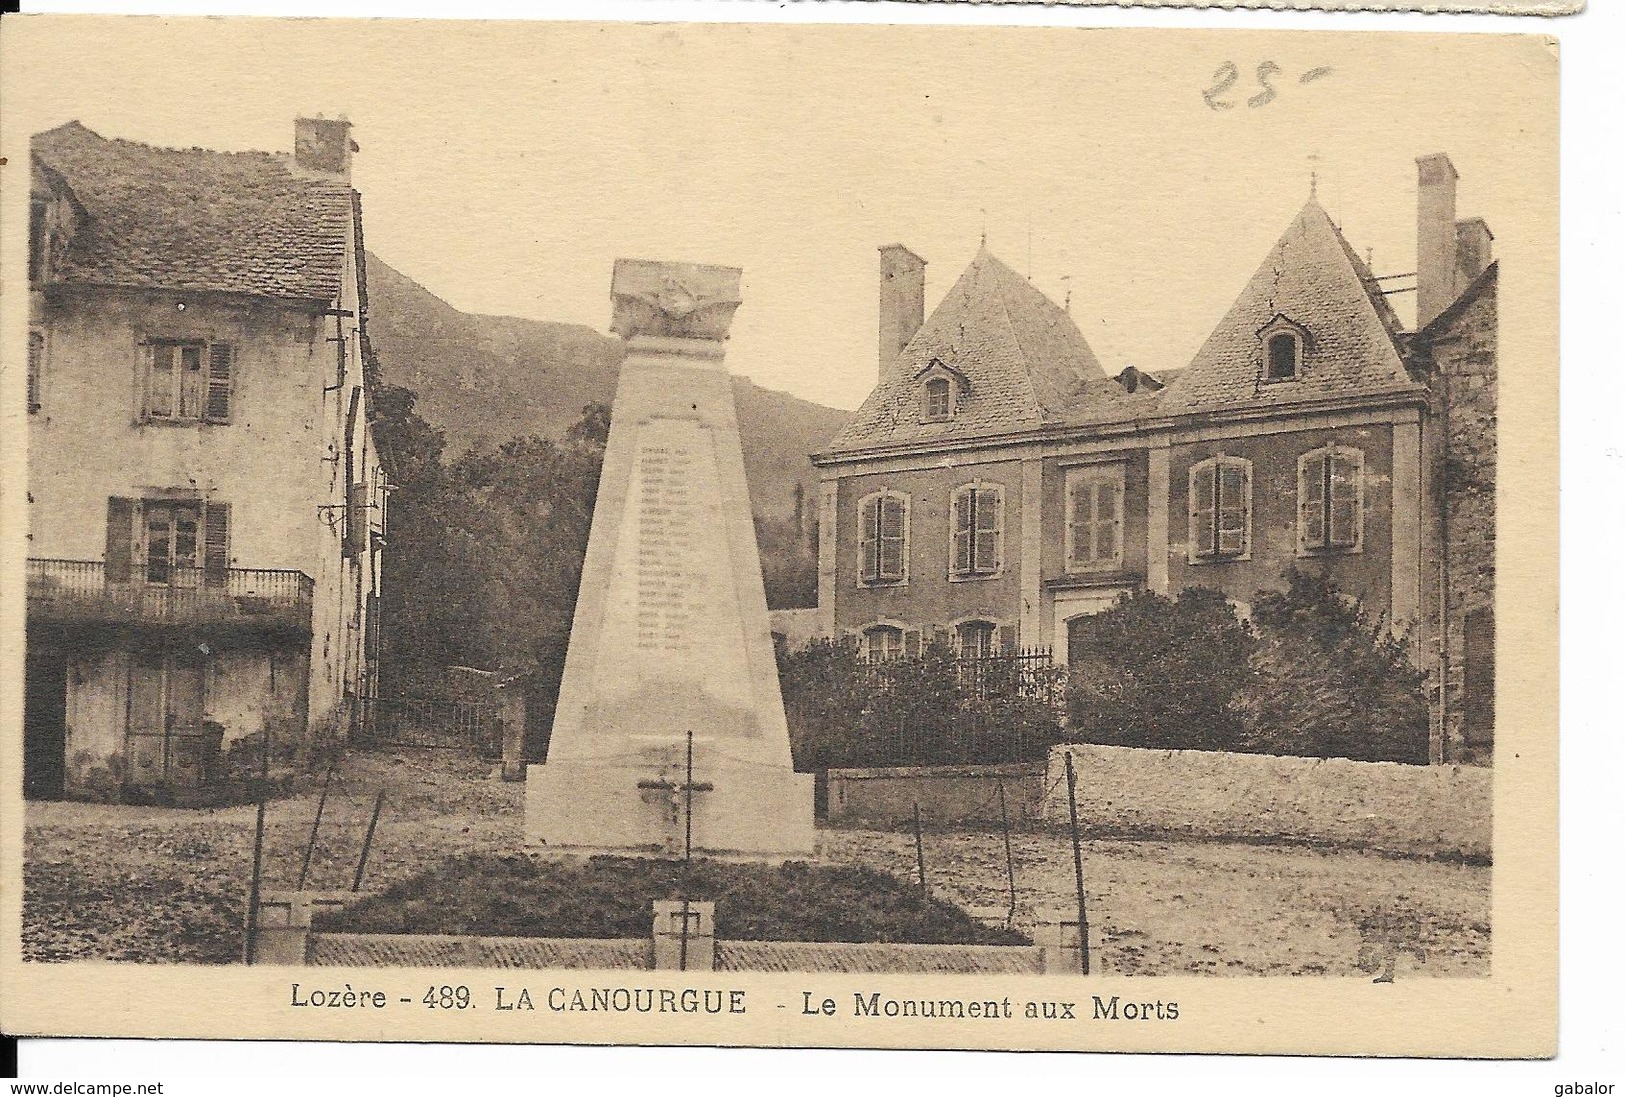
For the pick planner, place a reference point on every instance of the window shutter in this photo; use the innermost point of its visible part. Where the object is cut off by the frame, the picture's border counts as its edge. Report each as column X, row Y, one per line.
column 36, row 364
column 1343, row 516
column 120, row 525
column 893, row 535
column 216, row 543
column 1232, row 509
column 1007, row 639
column 355, row 520
column 1077, row 527
column 964, row 510
column 1312, row 501
column 939, row 636
column 989, row 512
column 869, row 539
column 371, row 640
column 911, row 642
column 1109, row 496
column 1202, row 512
column 217, row 402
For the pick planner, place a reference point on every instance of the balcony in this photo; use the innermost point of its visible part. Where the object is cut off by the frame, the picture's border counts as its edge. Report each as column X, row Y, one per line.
column 257, row 599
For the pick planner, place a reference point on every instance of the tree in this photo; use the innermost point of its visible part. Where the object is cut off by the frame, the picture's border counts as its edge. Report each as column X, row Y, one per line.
column 789, row 566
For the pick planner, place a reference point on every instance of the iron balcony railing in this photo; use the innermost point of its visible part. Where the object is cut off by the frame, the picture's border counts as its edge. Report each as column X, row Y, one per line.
column 82, row 591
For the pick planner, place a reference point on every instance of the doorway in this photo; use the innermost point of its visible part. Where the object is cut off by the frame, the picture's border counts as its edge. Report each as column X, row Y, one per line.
column 45, row 725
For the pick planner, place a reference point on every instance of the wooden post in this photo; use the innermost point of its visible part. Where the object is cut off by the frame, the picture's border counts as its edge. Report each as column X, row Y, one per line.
column 1009, row 857
column 688, row 822
column 321, row 805
column 919, row 849
column 366, row 843
column 1077, row 863
column 252, row 929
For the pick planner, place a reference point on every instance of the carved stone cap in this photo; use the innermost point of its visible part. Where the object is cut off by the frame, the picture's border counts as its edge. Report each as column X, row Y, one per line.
column 675, row 300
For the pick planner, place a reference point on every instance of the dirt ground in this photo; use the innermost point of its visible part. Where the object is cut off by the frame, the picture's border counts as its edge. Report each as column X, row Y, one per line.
column 170, row 885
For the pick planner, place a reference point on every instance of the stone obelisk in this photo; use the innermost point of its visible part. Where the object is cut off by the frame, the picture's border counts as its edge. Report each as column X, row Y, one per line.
column 670, row 732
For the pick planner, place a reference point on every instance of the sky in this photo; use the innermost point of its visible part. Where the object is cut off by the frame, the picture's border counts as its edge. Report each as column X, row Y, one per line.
column 505, row 166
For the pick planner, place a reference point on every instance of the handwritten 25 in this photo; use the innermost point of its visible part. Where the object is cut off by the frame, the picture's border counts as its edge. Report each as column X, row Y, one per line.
column 1218, row 96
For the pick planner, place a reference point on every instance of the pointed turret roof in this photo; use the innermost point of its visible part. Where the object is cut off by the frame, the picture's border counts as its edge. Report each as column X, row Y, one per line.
column 1023, row 359
column 1312, row 278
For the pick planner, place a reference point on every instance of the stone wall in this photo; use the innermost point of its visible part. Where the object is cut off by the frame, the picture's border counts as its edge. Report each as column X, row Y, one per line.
column 1419, row 810
column 946, row 795
column 1465, row 383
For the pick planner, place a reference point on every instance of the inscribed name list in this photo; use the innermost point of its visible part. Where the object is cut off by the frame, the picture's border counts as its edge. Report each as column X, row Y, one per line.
column 674, row 610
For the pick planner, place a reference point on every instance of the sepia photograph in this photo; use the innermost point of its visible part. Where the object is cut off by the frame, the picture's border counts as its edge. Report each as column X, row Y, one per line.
column 988, row 536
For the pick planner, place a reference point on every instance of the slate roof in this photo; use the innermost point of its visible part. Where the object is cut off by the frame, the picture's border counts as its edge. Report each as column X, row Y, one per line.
column 1026, row 361
column 1313, row 278
column 196, row 219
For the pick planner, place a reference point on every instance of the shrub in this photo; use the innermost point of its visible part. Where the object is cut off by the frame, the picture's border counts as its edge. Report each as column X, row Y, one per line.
column 1311, row 675
column 930, row 709
column 1161, row 672
column 1330, row 681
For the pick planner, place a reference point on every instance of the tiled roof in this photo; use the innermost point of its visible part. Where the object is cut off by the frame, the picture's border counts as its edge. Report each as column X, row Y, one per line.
column 195, row 219
column 1312, row 278
column 1026, row 362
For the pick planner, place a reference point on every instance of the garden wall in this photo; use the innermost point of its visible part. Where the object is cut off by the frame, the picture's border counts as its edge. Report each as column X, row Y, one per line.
column 1424, row 810
column 947, row 795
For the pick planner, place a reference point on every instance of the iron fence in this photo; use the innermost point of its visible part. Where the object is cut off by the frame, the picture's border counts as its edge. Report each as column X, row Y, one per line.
column 933, row 709
column 434, row 722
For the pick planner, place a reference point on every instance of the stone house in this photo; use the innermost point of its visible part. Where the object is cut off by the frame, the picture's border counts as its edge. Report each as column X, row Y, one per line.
column 206, row 500
column 998, row 486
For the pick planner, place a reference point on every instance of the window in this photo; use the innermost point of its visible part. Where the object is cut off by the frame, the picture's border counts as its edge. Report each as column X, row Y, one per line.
column 1330, row 498
column 1094, row 518
column 168, row 542
column 1283, row 356
column 36, row 367
column 1283, row 343
column 976, row 639
column 1221, row 505
column 883, row 538
column 977, row 547
column 882, row 642
column 187, row 381
column 939, row 399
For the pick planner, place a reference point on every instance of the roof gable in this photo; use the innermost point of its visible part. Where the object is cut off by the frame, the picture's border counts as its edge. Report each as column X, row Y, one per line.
column 1023, row 361
column 1312, row 280
column 195, row 219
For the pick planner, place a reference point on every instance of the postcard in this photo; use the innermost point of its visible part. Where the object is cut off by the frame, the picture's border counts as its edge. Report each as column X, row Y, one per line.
column 780, row 535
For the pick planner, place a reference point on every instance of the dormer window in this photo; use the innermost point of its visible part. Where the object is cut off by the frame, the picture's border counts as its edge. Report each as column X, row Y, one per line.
column 941, row 389
column 1283, row 344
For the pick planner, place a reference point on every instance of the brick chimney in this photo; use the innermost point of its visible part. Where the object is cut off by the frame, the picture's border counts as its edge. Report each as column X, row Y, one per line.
column 1435, row 236
column 323, row 146
column 1473, row 251
column 902, row 301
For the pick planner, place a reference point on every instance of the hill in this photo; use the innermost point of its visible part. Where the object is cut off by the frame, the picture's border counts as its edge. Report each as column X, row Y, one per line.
column 486, row 379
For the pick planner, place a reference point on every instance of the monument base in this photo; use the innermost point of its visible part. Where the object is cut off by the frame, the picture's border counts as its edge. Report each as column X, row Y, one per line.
column 639, row 806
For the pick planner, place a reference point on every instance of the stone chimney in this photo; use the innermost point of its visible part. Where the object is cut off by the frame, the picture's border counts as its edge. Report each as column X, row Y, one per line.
column 902, row 301
column 323, row 146
column 1435, row 236
column 1473, row 251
